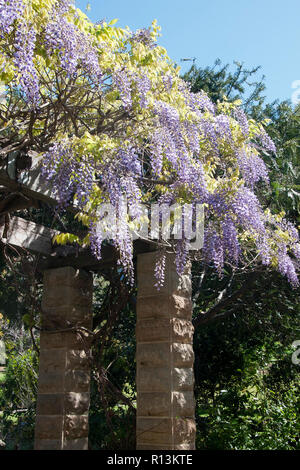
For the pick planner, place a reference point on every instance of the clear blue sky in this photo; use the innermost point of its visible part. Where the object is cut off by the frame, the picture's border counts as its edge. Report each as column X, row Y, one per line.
column 256, row 32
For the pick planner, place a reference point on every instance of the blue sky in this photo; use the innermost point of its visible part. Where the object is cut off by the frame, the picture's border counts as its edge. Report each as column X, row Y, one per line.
column 256, row 32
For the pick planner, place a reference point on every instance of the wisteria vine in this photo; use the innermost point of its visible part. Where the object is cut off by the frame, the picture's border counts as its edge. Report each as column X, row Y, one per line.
column 142, row 134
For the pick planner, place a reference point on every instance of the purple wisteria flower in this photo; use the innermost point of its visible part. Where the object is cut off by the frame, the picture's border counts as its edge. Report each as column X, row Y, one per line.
column 266, row 141
column 68, row 175
column 122, row 82
column 144, row 36
column 242, row 119
column 10, row 10
column 252, row 167
column 24, row 45
column 73, row 46
column 144, row 85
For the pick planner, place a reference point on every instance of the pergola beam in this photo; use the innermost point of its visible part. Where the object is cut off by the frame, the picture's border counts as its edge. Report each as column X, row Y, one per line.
column 21, row 177
column 28, row 235
column 20, row 180
column 38, row 239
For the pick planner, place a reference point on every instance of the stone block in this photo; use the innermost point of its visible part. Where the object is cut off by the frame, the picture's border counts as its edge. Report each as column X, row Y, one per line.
column 166, row 431
column 76, row 403
column 77, row 381
column 184, row 431
column 66, row 296
column 76, row 427
column 183, row 378
column 154, row 379
column 78, row 359
column 182, row 331
column 153, row 331
column 49, row 427
column 153, row 307
column 48, row 444
column 67, row 339
column 51, row 382
column 154, row 431
column 50, row 404
column 146, row 262
column 180, row 285
column 154, row 404
column 66, row 316
column 52, row 340
column 67, row 276
column 173, row 284
column 153, row 354
column 166, row 404
column 79, row 340
column 183, row 404
column 190, row 446
column 146, row 285
column 182, row 354
column 164, row 329
column 164, row 306
column 76, row 444
column 181, row 306
column 52, row 360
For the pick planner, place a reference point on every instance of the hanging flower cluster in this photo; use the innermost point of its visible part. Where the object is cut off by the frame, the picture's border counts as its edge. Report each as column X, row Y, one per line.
column 10, row 10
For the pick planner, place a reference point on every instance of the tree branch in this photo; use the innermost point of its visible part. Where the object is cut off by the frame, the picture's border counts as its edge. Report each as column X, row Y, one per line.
column 221, row 304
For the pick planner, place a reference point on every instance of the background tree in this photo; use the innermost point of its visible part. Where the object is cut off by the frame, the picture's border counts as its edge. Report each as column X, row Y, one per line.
column 240, row 83
column 245, row 379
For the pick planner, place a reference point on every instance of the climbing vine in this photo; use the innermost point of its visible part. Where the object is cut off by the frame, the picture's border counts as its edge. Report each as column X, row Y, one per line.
column 109, row 114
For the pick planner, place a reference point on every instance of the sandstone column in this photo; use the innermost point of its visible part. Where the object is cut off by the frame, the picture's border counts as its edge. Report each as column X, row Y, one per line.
column 64, row 375
column 165, row 378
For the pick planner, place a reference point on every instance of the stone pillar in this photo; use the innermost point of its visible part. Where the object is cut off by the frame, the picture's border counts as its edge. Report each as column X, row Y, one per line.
column 165, row 377
column 64, row 374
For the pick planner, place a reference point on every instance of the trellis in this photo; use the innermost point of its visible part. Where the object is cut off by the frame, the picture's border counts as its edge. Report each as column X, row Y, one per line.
column 164, row 331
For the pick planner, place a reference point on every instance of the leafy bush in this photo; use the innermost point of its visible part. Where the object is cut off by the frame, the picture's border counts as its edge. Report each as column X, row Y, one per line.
column 18, row 398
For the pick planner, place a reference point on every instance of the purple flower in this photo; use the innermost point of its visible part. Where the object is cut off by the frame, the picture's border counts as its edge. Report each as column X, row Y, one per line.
column 242, row 120
column 10, row 10
column 74, row 47
column 143, row 36
column 252, row 168
column 23, row 58
column 122, row 81
column 266, row 142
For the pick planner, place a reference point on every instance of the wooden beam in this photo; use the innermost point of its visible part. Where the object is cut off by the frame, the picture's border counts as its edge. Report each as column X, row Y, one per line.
column 83, row 258
column 38, row 239
column 28, row 235
column 12, row 202
column 26, row 181
column 80, row 258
